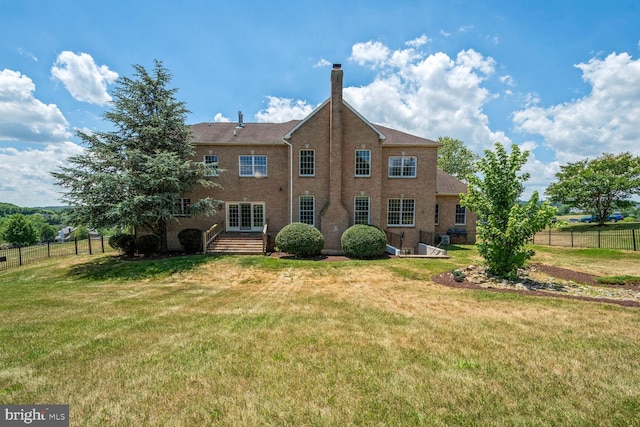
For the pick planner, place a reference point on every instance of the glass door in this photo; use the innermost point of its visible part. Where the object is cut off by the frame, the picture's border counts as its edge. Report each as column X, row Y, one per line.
column 247, row 216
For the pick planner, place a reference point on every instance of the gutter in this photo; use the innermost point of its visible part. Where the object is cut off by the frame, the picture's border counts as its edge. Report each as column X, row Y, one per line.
column 290, row 179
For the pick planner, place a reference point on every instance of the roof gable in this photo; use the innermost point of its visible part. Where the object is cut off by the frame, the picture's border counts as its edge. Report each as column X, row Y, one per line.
column 447, row 185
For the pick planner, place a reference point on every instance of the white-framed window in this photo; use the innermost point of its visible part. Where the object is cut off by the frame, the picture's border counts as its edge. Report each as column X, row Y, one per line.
column 307, row 163
column 255, row 166
column 306, row 210
column 211, row 162
column 363, row 162
column 401, row 212
column 361, row 210
column 402, row 166
column 461, row 215
column 182, row 207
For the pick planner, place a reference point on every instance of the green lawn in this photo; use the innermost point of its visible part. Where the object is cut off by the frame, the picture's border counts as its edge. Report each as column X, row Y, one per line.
column 263, row 341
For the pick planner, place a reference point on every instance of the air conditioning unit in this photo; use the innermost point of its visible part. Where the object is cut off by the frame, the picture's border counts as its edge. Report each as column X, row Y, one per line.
column 445, row 240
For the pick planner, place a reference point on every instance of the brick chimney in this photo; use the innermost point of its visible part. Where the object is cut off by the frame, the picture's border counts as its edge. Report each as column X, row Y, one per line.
column 335, row 218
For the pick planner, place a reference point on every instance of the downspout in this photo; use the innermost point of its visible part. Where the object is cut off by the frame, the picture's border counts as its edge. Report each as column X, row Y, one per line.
column 290, row 180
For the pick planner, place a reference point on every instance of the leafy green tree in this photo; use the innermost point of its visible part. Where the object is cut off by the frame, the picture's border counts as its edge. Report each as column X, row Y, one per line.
column 456, row 159
column 504, row 225
column 599, row 186
column 134, row 175
column 19, row 231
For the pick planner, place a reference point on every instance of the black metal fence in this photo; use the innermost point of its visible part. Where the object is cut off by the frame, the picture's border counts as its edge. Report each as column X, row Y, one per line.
column 605, row 239
column 16, row 257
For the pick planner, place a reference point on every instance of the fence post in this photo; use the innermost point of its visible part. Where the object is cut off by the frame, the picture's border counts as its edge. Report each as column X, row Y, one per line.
column 633, row 237
column 48, row 249
column 598, row 238
column 102, row 243
column 549, row 236
column 571, row 232
column 75, row 240
column 89, row 241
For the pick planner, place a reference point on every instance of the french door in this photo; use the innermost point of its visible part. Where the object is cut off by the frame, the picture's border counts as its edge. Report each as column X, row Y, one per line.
column 245, row 216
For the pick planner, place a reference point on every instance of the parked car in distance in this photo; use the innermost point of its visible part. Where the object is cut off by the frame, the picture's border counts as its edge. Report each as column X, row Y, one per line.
column 588, row 218
column 614, row 217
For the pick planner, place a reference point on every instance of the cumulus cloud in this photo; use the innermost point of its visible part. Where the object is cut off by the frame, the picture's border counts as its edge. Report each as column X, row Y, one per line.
column 371, row 54
column 429, row 95
column 418, row 42
column 84, row 80
column 220, row 118
column 605, row 120
column 26, row 175
column 25, row 118
column 280, row 110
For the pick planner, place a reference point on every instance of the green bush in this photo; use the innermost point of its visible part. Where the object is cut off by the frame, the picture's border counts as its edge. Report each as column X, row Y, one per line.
column 148, row 244
column 363, row 241
column 124, row 242
column 190, row 240
column 300, row 240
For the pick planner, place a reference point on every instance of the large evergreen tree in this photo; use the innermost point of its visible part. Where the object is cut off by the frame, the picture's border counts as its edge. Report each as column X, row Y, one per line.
column 134, row 174
column 504, row 225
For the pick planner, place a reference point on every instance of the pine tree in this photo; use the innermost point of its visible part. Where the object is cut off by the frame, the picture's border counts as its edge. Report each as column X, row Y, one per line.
column 133, row 175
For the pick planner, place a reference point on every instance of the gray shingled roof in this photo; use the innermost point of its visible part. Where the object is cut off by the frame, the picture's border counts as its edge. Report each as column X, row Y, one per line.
column 251, row 133
column 447, row 184
column 398, row 137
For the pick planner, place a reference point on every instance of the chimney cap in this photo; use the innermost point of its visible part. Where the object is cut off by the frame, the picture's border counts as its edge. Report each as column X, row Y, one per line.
column 337, row 66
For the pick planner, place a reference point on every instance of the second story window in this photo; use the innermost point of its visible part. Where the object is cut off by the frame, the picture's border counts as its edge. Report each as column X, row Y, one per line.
column 402, row 167
column 211, row 162
column 363, row 162
column 307, row 162
column 255, row 166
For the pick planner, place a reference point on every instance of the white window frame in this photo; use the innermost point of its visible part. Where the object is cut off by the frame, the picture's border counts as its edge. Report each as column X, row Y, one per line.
column 463, row 214
column 211, row 162
column 311, row 166
column 405, row 207
column 254, row 165
column 368, row 174
column 405, row 168
column 307, row 211
column 182, row 207
column 357, row 219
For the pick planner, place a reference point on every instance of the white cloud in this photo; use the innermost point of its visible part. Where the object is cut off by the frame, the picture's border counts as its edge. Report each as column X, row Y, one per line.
column 508, row 80
column 280, row 110
column 322, row 63
column 26, row 175
column 372, row 54
column 418, row 42
column 427, row 95
column 25, row 118
column 84, row 80
column 220, row 118
column 605, row 120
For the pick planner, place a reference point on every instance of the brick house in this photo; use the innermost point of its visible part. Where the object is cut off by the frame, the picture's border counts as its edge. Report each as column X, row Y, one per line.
column 332, row 169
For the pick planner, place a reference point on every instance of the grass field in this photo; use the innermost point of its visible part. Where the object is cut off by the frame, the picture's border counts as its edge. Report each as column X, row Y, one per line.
column 263, row 341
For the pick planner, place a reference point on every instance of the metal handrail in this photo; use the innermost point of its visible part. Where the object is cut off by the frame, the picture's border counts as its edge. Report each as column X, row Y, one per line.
column 265, row 238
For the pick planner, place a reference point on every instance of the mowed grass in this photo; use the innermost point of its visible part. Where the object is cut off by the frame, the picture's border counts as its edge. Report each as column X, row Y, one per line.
column 238, row 340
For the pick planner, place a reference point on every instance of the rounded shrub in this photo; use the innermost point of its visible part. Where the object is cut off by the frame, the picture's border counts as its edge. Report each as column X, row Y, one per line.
column 124, row 242
column 148, row 244
column 300, row 240
column 363, row 241
column 190, row 240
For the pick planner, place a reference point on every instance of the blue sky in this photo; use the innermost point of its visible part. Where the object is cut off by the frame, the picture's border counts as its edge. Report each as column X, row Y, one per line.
column 559, row 78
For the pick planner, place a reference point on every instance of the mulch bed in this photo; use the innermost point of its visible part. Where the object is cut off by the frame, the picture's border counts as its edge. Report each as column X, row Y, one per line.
column 446, row 279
